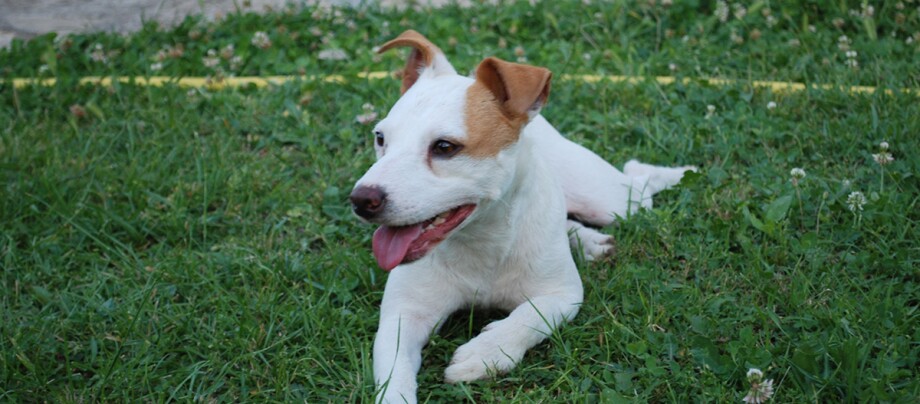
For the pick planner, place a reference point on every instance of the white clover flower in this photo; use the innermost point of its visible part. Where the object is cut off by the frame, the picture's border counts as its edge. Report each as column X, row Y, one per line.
column 797, row 173
column 236, row 62
column 332, row 54
column 721, row 11
column 843, row 43
column 771, row 21
column 43, row 69
column 883, row 145
column 855, row 201
column 710, row 111
column 739, row 11
column 761, row 390
column 883, row 158
column 155, row 67
column 368, row 116
column 227, row 52
column 260, row 40
column 771, row 105
column 672, row 67
column 211, row 61
column 738, row 39
column 98, row 54
column 175, row 52
column 851, row 59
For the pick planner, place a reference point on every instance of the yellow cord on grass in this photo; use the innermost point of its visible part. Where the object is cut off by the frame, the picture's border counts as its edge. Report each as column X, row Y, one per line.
column 229, row 82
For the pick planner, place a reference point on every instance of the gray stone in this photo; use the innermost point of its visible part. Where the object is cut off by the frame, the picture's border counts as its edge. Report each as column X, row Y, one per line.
column 29, row 18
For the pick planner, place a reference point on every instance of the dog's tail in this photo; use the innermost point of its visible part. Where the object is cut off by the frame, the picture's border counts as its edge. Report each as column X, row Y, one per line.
column 654, row 179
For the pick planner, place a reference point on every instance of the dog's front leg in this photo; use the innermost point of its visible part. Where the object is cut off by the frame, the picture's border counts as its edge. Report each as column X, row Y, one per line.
column 502, row 344
column 409, row 313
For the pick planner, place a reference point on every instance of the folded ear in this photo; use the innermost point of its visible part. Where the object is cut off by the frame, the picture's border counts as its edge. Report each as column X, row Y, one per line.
column 425, row 55
column 520, row 89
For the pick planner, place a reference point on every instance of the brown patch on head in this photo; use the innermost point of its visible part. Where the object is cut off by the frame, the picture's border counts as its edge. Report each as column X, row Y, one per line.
column 488, row 128
column 422, row 56
column 500, row 103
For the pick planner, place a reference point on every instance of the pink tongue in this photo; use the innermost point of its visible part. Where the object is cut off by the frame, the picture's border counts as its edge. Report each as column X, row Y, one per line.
column 392, row 243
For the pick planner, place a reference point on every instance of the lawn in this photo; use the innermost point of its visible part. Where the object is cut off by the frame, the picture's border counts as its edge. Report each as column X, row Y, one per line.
column 193, row 243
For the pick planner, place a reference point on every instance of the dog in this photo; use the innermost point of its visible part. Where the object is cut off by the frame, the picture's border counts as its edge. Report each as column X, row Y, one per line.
column 478, row 199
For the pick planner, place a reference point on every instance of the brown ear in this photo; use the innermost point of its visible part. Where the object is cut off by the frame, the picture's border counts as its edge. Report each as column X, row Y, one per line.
column 424, row 55
column 520, row 89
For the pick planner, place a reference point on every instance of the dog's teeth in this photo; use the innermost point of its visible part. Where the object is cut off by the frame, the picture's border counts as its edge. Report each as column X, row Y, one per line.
column 438, row 221
column 429, row 227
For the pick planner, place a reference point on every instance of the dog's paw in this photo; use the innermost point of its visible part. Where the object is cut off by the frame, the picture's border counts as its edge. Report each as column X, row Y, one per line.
column 594, row 244
column 397, row 392
column 598, row 247
column 482, row 358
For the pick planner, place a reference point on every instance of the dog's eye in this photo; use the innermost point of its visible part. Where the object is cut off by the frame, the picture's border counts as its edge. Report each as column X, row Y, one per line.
column 378, row 135
column 443, row 148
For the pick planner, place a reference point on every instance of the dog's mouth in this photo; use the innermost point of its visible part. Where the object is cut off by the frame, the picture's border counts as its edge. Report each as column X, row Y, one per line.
column 394, row 245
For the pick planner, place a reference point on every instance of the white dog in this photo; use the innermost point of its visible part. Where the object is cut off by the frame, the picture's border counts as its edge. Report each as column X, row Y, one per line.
column 478, row 197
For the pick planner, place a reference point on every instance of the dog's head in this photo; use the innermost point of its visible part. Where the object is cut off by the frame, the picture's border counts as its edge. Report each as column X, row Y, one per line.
column 446, row 150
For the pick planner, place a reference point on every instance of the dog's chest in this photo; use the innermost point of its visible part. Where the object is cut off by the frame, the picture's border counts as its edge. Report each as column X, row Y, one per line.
column 496, row 275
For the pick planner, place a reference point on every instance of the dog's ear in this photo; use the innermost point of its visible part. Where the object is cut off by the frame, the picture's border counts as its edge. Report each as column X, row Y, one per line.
column 425, row 55
column 520, row 89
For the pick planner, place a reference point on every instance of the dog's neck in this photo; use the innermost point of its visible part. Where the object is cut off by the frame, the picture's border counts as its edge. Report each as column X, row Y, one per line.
column 497, row 226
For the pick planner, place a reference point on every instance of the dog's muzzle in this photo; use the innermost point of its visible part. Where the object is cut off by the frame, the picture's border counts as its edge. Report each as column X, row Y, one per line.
column 368, row 202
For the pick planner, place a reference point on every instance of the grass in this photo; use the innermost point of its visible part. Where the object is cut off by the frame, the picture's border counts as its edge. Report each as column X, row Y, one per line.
column 162, row 244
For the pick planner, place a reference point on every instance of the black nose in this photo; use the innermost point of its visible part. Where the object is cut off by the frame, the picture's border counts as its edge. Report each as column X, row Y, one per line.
column 368, row 202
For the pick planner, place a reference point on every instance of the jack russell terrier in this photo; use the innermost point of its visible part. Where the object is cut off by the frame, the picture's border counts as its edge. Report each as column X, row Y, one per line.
column 478, row 198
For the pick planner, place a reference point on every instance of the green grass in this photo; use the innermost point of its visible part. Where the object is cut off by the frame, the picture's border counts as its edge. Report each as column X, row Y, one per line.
column 163, row 244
